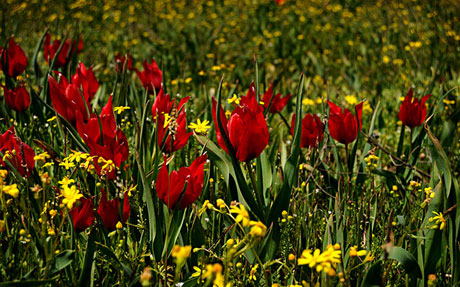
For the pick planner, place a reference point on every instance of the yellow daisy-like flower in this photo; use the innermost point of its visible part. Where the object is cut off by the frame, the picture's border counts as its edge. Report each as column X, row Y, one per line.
column 76, row 156
column 243, row 215
column 234, row 99
column 439, row 220
column 121, row 109
column 200, row 127
column 66, row 181
column 71, row 195
column 67, row 165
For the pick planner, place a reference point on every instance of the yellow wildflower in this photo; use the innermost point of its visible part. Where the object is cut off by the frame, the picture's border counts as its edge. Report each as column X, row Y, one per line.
column 243, row 215
column 234, row 99
column 200, row 127
column 71, row 195
column 11, row 190
column 258, row 229
column 120, row 109
column 438, row 220
column 42, row 157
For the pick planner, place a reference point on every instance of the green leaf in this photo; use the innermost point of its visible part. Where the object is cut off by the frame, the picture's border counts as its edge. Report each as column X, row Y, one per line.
column 29, row 282
column 373, row 277
column 406, row 259
column 91, row 247
column 62, row 260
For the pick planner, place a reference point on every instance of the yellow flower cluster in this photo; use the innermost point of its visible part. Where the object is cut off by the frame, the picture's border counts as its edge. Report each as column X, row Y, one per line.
column 439, row 221
column 69, row 193
column 326, row 261
column 371, row 161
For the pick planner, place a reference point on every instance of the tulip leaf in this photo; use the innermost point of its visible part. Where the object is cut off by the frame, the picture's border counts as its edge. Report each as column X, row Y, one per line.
column 440, row 157
column 147, row 197
column 35, row 56
column 62, row 260
column 290, row 170
column 30, row 283
column 177, row 221
column 373, row 277
column 218, row 157
column 85, row 275
column 406, row 259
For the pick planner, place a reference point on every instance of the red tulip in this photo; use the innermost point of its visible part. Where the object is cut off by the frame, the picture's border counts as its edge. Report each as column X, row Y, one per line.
column 278, row 103
column 120, row 62
column 312, row 130
column 412, row 111
column 83, row 215
column 170, row 187
column 151, row 77
column 17, row 99
column 66, row 99
column 246, row 129
column 108, row 210
column 343, row 125
column 112, row 145
column 14, row 59
column 19, row 154
column 164, row 113
column 85, row 81
column 64, row 55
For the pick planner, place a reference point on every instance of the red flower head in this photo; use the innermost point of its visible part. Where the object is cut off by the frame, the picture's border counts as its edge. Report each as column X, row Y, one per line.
column 246, row 128
column 278, row 103
column 280, row 2
column 67, row 100
column 83, row 215
column 85, row 81
column 171, row 186
column 120, row 62
column 412, row 111
column 108, row 210
column 312, row 130
column 18, row 154
column 343, row 125
column 111, row 146
column 64, row 55
column 164, row 113
column 14, row 59
column 17, row 99
column 151, row 77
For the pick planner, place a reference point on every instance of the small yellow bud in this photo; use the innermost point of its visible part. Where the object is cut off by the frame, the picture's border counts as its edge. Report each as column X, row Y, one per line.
column 119, row 225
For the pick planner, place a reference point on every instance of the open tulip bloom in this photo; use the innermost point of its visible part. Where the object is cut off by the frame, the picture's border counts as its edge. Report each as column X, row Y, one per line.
column 108, row 210
column 17, row 99
column 412, row 112
column 71, row 100
column 278, row 103
column 83, row 215
column 69, row 48
column 343, row 125
column 246, row 129
column 14, row 59
column 111, row 145
column 19, row 154
column 171, row 122
column 312, row 130
column 151, row 77
column 170, row 187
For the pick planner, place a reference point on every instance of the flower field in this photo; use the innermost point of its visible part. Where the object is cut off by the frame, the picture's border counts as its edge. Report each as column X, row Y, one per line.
column 229, row 143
